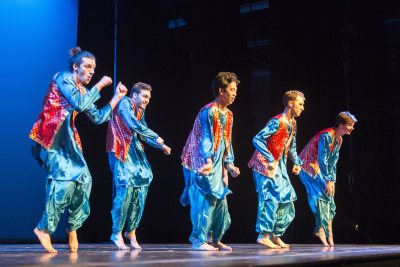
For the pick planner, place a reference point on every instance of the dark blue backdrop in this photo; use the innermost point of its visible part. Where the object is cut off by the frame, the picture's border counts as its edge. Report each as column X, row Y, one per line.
column 35, row 37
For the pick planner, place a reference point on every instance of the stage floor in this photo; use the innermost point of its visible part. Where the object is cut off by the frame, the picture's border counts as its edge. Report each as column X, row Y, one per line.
column 181, row 255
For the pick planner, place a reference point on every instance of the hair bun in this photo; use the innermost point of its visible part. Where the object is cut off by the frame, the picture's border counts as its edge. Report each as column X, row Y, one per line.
column 73, row 51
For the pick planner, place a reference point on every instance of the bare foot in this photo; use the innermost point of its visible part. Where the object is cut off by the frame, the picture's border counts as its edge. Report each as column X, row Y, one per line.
column 209, row 238
column 222, row 246
column 265, row 241
column 330, row 238
column 45, row 241
column 72, row 241
column 330, row 241
column 321, row 235
column 119, row 241
column 132, row 237
column 198, row 245
column 278, row 241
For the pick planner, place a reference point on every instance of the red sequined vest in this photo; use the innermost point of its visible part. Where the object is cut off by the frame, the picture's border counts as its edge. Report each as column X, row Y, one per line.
column 119, row 136
column 276, row 144
column 54, row 112
column 309, row 155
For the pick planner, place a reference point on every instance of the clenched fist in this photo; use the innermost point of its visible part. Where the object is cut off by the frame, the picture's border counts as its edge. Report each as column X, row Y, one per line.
column 234, row 171
column 105, row 81
column 121, row 90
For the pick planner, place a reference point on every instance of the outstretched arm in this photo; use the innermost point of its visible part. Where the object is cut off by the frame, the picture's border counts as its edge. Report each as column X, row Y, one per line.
column 157, row 143
column 128, row 114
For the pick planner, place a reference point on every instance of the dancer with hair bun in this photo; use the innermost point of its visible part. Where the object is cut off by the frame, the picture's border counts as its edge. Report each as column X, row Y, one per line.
column 57, row 146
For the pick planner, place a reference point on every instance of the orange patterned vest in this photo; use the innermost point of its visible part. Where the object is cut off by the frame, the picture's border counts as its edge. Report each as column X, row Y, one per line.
column 276, row 144
column 309, row 155
column 191, row 156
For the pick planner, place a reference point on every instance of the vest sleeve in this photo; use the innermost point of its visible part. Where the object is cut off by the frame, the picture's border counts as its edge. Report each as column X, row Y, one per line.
column 259, row 141
column 66, row 84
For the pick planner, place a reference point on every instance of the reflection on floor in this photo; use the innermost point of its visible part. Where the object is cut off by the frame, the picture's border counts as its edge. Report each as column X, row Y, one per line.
column 181, row 255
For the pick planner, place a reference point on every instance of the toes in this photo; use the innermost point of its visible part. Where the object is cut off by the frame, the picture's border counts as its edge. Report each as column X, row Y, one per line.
column 51, row 250
column 205, row 247
column 135, row 245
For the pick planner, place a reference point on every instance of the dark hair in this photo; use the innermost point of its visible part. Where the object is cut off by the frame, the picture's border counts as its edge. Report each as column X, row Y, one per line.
column 222, row 80
column 76, row 55
column 291, row 95
column 344, row 117
column 140, row 86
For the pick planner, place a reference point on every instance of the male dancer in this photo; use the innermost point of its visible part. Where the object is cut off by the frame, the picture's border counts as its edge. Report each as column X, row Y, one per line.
column 131, row 171
column 58, row 148
column 318, row 173
column 206, row 159
column 275, row 192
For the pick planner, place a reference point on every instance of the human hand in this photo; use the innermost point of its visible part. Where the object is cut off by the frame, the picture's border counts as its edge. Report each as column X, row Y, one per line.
column 234, row 171
column 121, row 90
column 271, row 166
column 330, row 188
column 166, row 149
column 160, row 141
column 296, row 169
column 104, row 81
column 206, row 168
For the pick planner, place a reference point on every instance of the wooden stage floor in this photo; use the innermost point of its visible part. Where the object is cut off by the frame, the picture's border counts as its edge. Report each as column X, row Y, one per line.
column 181, row 255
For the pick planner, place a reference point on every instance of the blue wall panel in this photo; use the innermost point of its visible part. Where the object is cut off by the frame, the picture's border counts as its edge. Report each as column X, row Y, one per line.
column 35, row 36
